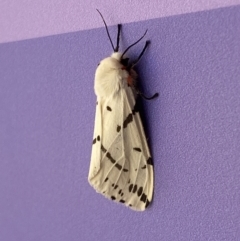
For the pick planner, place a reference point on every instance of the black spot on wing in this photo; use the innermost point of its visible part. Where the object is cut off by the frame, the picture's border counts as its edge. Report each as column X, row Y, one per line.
column 149, row 161
column 128, row 120
column 121, row 201
column 130, row 187
column 109, row 108
column 94, row 141
column 125, row 170
column 112, row 160
column 118, row 128
column 144, row 167
column 103, row 149
column 116, row 186
column 113, row 198
column 98, row 138
column 143, row 198
column 106, row 179
column 139, row 192
column 135, row 188
column 119, row 192
column 147, row 203
column 137, row 149
column 118, row 166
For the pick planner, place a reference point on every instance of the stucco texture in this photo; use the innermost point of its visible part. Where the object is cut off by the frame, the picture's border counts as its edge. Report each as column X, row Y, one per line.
column 47, row 108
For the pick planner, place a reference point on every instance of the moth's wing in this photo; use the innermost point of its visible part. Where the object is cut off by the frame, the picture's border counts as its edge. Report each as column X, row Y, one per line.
column 96, row 148
column 120, row 155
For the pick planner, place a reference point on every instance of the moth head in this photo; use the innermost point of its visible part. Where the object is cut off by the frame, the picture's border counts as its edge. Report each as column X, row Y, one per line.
column 109, row 64
column 118, row 56
column 113, row 72
column 109, row 75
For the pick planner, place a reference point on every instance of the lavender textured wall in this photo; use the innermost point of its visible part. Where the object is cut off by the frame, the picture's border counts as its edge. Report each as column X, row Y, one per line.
column 47, row 109
column 30, row 19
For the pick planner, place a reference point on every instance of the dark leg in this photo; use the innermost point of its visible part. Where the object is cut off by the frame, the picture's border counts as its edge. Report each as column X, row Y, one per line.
column 147, row 98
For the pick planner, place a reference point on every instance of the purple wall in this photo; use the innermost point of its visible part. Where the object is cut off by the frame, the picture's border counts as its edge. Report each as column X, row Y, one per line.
column 47, row 107
column 30, row 19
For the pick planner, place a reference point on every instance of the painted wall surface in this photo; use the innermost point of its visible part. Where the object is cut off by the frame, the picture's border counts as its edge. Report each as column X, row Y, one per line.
column 47, row 108
column 30, row 19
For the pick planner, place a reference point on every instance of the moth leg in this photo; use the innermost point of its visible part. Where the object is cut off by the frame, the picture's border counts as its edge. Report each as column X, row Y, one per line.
column 145, row 97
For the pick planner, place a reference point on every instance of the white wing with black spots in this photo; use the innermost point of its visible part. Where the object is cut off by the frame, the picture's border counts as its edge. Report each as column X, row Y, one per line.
column 121, row 165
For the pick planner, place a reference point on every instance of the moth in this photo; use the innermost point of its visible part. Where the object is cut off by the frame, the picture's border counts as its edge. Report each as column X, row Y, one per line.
column 121, row 166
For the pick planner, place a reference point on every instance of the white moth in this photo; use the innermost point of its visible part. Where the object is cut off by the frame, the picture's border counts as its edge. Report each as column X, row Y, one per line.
column 121, row 165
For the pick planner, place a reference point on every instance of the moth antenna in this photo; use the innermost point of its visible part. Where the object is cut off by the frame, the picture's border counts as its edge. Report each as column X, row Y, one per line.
column 106, row 29
column 133, row 44
column 118, row 38
column 141, row 54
